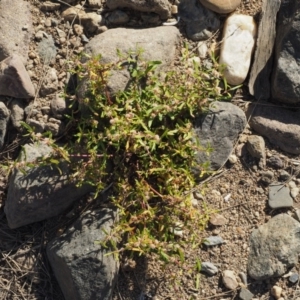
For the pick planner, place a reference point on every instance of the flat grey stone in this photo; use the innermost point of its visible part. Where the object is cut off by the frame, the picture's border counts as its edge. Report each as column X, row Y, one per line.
column 80, row 266
column 218, row 129
column 245, row 294
column 209, row 268
column 279, row 196
column 294, row 278
column 213, row 241
column 47, row 49
column 274, row 247
column 41, row 192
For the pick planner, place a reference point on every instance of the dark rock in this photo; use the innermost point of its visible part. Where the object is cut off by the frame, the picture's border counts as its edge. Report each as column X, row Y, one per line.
column 218, row 129
column 279, row 196
column 4, row 118
column 81, row 267
column 14, row 79
column 161, row 7
column 259, row 85
column 274, row 247
column 200, row 21
column 40, row 192
column 118, row 17
column 209, row 268
column 275, row 162
column 267, row 177
column 284, row 175
column 281, row 126
column 285, row 77
column 16, row 28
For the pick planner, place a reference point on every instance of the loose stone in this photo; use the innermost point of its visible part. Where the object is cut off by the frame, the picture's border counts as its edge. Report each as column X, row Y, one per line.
column 284, row 175
column 245, row 294
column 217, row 220
column 237, row 47
column 279, row 196
column 276, row 291
column 294, row 278
column 209, row 268
column 267, row 177
column 229, row 280
column 213, row 241
column 221, row 6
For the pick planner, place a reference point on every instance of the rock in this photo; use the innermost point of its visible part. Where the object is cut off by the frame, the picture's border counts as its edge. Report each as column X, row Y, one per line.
column 217, row 220
column 50, row 83
column 256, row 148
column 276, row 291
column 118, row 17
column 213, row 241
column 294, row 189
column 239, row 36
column 284, row 175
column 221, row 6
column 245, row 294
column 274, row 247
column 4, row 118
column 50, row 6
column 209, row 268
column 267, row 177
column 17, row 113
column 54, row 126
column 41, row 192
column 74, row 13
column 219, row 129
column 200, row 21
column 91, row 22
column 58, row 106
column 160, row 7
column 95, row 3
column 47, row 49
column 37, row 126
column 162, row 47
column 279, row 196
column 232, row 159
column 243, row 277
column 14, row 79
column 229, row 280
column 259, row 84
column 81, row 267
column 279, row 125
column 202, row 49
column 275, row 162
column 285, row 78
column 14, row 39
column 294, row 278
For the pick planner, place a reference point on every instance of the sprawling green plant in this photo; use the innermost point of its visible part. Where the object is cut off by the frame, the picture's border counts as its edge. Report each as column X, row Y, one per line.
column 140, row 144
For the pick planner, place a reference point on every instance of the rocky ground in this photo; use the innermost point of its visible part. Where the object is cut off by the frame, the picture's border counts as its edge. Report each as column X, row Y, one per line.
column 239, row 193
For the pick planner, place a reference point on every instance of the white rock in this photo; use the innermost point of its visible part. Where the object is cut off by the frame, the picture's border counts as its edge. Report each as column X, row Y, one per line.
column 276, row 291
column 229, row 280
column 232, row 158
column 237, row 46
column 202, row 49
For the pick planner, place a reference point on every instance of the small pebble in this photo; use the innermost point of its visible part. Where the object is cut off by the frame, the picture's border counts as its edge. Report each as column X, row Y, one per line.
column 284, row 175
column 275, row 162
column 217, row 220
column 245, row 294
column 279, row 196
column 276, row 291
column 232, row 158
column 243, row 277
column 209, row 268
column 267, row 177
column 213, row 241
column 294, row 278
column 229, row 280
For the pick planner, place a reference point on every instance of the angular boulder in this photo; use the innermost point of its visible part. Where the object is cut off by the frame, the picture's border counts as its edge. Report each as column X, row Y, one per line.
column 14, row 79
column 4, row 118
column 16, row 28
column 239, row 36
column 281, row 126
column 157, row 43
column 81, row 267
column 259, row 82
column 160, row 7
column 274, row 247
column 40, row 192
column 218, row 129
column 285, row 76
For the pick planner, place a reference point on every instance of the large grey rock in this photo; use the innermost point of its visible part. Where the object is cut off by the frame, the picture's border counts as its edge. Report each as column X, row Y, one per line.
column 200, row 21
column 285, row 77
column 16, row 28
column 279, row 125
column 218, row 129
column 14, row 79
column 274, row 247
column 259, row 83
column 161, row 7
column 158, row 44
column 40, row 192
column 4, row 118
column 81, row 267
